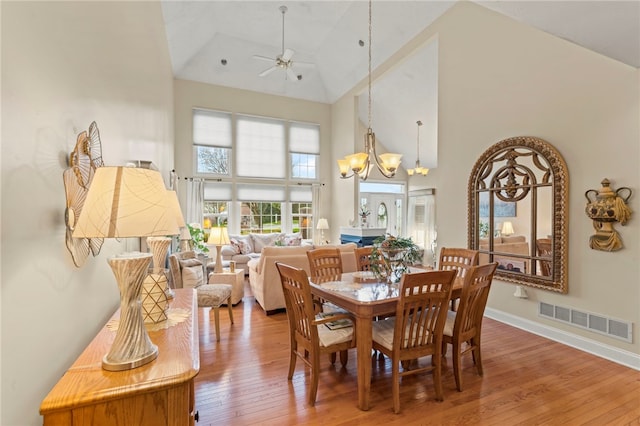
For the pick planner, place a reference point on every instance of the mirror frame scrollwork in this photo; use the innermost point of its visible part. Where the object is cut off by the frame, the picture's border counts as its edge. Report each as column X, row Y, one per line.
column 509, row 181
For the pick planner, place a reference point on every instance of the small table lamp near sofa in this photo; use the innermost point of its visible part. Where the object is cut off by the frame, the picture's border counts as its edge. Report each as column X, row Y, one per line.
column 127, row 202
column 218, row 237
column 322, row 225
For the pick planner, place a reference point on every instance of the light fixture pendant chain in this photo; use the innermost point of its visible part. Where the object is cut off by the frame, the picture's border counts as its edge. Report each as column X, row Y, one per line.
column 370, row 63
column 419, row 123
column 283, row 9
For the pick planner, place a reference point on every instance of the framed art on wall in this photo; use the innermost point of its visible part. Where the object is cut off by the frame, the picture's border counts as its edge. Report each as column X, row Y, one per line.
column 500, row 208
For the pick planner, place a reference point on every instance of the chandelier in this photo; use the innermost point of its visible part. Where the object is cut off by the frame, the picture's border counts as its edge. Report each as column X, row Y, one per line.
column 360, row 162
column 418, row 170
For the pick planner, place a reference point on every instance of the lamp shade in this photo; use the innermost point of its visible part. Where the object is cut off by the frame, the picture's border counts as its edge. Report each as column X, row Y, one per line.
column 322, row 223
column 126, row 202
column 176, row 210
column 218, row 236
column 507, row 228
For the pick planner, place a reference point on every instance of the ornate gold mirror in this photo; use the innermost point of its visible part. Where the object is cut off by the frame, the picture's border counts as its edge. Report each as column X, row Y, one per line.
column 518, row 203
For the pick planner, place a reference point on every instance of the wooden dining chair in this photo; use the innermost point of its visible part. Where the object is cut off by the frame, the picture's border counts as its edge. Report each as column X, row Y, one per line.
column 363, row 258
column 416, row 330
column 543, row 247
column 309, row 334
column 458, row 259
column 325, row 262
column 464, row 326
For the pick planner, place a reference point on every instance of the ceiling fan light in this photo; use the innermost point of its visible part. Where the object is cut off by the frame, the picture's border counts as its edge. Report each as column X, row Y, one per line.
column 424, row 171
column 410, row 172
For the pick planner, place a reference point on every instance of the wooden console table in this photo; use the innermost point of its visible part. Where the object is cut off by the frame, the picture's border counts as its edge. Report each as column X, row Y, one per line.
column 158, row 393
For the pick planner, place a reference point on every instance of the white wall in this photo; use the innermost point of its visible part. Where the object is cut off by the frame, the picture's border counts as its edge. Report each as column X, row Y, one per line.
column 65, row 65
column 499, row 78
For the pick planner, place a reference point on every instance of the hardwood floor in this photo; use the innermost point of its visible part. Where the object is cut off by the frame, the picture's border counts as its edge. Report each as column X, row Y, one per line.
column 528, row 380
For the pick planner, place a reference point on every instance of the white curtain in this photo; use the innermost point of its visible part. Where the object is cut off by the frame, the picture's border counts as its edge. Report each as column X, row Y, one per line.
column 195, row 200
column 316, row 200
column 431, row 234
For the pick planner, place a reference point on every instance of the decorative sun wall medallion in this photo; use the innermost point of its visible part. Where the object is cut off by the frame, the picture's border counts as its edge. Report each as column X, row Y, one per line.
column 83, row 161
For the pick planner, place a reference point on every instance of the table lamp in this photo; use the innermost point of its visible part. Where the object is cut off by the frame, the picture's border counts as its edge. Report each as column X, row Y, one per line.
column 322, row 225
column 218, row 237
column 507, row 228
column 127, row 202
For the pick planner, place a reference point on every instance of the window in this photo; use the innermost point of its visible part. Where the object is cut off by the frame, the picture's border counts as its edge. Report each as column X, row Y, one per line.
column 260, row 148
column 261, row 208
column 260, row 217
column 304, row 149
column 212, row 141
column 261, row 192
column 302, row 219
column 215, row 213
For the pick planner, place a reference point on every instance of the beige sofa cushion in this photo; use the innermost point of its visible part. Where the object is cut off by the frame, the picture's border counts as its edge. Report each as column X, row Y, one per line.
column 261, row 241
column 264, row 278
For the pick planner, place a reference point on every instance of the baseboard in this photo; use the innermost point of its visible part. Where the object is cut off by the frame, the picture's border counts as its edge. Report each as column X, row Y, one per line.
column 602, row 350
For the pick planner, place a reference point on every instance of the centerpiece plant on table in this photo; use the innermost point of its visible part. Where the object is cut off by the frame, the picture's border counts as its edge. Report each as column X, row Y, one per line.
column 391, row 257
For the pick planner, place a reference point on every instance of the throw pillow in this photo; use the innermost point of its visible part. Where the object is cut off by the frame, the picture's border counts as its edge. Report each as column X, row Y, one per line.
column 187, row 263
column 261, row 241
column 192, row 276
column 292, row 239
column 242, row 244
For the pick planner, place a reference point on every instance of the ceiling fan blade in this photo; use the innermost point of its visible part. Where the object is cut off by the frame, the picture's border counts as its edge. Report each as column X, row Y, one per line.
column 264, row 58
column 287, row 55
column 292, row 75
column 304, row 64
column 267, row 71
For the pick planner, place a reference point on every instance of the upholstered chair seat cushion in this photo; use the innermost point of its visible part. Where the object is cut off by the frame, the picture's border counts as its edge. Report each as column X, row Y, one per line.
column 330, row 337
column 448, row 326
column 383, row 331
column 213, row 295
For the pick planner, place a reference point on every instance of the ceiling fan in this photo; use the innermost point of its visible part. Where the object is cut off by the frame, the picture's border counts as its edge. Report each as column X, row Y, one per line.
column 284, row 60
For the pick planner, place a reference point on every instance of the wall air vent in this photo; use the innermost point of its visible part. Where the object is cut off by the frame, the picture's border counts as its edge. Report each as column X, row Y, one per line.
column 597, row 323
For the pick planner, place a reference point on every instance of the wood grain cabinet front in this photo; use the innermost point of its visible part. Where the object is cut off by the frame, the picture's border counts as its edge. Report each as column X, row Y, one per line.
column 159, row 393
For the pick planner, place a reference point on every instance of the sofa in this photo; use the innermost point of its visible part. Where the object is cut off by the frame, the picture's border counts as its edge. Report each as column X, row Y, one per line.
column 243, row 248
column 516, row 245
column 264, row 278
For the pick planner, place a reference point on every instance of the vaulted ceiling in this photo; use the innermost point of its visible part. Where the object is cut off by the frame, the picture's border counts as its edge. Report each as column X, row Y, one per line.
column 216, row 42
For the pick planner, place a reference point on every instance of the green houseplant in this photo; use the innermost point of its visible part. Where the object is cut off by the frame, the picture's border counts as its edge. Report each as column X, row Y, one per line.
column 197, row 239
column 391, row 257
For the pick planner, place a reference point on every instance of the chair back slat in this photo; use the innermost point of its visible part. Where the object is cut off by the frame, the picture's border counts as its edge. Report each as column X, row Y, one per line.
column 458, row 259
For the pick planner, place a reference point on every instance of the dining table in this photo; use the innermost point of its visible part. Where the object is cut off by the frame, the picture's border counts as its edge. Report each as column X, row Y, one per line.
column 366, row 297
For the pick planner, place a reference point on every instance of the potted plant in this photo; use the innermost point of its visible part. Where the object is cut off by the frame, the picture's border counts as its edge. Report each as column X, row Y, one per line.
column 364, row 214
column 391, row 257
column 197, row 238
